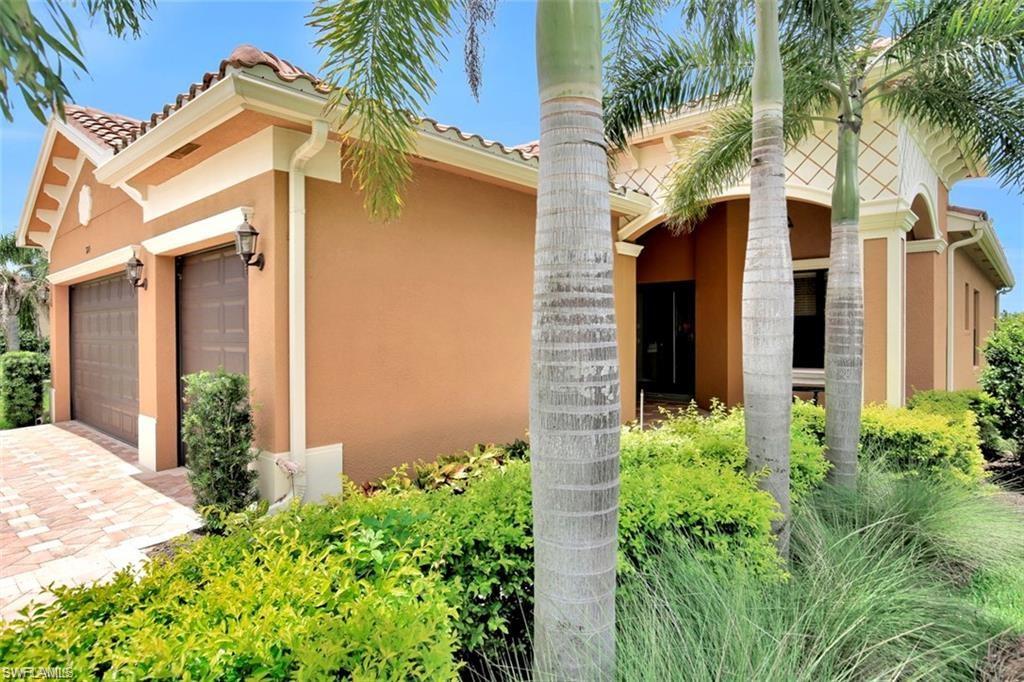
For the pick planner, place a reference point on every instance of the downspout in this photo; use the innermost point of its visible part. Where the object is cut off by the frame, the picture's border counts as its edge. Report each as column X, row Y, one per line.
column 977, row 232
column 297, row 299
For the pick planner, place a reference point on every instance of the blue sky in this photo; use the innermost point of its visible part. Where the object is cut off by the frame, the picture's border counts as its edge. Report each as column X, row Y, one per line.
column 185, row 39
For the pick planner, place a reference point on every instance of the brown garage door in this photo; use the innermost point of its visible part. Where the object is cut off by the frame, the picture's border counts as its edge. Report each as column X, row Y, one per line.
column 213, row 312
column 105, row 357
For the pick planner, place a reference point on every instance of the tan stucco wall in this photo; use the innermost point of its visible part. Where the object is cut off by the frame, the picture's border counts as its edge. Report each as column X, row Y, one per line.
column 117, row 222
column 968, row 278
column 926, row 322
column 418, row 336
column 713, row 256
column 875, row 319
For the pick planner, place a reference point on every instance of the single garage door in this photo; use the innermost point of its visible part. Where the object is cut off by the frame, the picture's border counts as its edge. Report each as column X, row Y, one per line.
column 213, row 313
column 105, row 357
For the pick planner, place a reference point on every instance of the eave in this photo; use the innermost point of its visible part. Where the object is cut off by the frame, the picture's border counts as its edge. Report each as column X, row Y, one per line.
column 248, row 90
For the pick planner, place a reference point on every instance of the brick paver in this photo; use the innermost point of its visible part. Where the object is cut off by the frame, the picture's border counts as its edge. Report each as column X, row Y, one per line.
column 75, row 507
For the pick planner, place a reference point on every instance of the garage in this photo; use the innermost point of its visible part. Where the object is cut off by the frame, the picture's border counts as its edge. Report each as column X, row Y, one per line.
column 213, row 313
column 105, row 357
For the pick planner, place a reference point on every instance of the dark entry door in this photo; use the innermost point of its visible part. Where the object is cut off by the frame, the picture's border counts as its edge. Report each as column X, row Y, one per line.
column 665, row 337
column 213, row 314
column 105, row 357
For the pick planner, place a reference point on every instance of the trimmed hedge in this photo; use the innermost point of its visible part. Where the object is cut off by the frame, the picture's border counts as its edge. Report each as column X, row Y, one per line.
column 22, row 374
column 955, row 404
column 217, row 430
column 912, row 442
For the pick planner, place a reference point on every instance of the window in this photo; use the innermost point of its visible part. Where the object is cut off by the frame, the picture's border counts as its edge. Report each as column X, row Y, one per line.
column 809, row 318
column 977, row 319
column 967, row 306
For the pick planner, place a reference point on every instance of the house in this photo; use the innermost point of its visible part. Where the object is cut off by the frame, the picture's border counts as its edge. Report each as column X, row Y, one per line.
column 369, row 344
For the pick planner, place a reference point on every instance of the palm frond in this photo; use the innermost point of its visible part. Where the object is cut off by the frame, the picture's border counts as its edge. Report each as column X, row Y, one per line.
column 479, row 18
column 985, row 117
column 682, row 74
column 379, row 58
column 34, row 53
column 711, row 164
column 958, row 39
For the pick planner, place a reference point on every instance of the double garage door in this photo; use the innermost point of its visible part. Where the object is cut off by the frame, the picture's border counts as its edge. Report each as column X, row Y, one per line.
column 212, row 326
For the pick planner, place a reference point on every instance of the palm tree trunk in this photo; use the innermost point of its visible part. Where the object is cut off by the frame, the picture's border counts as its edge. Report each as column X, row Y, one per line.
column 9, row 317
column 574, row 392
column 768, row 280
column 844, row 314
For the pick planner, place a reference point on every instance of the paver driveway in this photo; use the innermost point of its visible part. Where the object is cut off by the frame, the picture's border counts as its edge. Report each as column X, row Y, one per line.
column 75, row 507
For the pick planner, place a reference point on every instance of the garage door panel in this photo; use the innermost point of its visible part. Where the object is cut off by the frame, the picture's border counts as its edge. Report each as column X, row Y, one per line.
column 213, row 320
column 105, row 357
column 213, row 313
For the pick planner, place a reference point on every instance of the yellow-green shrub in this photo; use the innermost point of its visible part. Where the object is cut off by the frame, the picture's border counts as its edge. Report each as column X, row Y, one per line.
column 922, row 443
column 262, row 602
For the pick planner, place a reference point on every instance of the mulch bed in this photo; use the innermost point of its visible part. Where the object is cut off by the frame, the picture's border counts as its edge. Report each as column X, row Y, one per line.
column 1004, row 661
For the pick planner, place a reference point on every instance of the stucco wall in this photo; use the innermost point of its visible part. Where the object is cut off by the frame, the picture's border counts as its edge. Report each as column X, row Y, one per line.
column 925, row 350
column 117, row 222
column 968, row 278
column 713, row 256
column 418, row 339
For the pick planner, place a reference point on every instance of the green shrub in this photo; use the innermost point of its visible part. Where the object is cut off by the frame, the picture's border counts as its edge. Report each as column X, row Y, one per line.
column 22, row 374
column 1003, row 376
column 217, row 430
column 954, row 404
column 920, row 443
column 914, row 442
column 262, row 603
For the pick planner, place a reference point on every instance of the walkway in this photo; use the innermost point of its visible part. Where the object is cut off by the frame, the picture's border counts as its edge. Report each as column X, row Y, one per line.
column 75, row 507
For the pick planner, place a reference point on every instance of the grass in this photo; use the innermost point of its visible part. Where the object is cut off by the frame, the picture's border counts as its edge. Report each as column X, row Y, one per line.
column 1000, row 595
column 902, row 579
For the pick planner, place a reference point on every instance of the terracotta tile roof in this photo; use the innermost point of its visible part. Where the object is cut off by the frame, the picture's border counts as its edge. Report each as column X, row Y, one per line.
column 529, row 148
column 969, row 211
column 117, row 132
column 111, row 130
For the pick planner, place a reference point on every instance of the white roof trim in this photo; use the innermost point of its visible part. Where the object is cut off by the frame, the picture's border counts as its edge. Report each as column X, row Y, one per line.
column 89, row 149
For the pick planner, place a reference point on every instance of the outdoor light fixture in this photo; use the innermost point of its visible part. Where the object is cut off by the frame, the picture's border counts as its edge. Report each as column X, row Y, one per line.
column 245, row 244
column 133, row 271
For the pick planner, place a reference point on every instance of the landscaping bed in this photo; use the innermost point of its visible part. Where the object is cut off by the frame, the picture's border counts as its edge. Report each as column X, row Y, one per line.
column 427, row 574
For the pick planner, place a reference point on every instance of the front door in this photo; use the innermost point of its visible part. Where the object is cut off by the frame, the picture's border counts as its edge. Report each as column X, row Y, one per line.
column 665, row 337
column 213, row 315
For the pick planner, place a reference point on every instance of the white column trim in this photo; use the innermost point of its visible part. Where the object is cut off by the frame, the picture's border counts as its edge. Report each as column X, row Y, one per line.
column 926, row 245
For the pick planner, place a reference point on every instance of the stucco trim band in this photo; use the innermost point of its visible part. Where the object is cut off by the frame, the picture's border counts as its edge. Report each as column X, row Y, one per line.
column 112, row 259
column 219, row 225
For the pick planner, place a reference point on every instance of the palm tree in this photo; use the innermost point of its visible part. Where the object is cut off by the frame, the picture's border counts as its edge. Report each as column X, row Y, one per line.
column 24, row 291
column 379, row 58
column 838, row 59
column 768, row 270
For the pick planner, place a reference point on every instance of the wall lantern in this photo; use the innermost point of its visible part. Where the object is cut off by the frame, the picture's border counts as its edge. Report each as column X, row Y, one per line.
column 246, row 237
column 133, row 271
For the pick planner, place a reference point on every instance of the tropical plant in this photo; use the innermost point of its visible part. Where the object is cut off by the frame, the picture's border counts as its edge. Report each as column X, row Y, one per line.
column 24, row 292
column 1003, row 376
column 838, row 58
column 34, row 52
column 379, row 57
